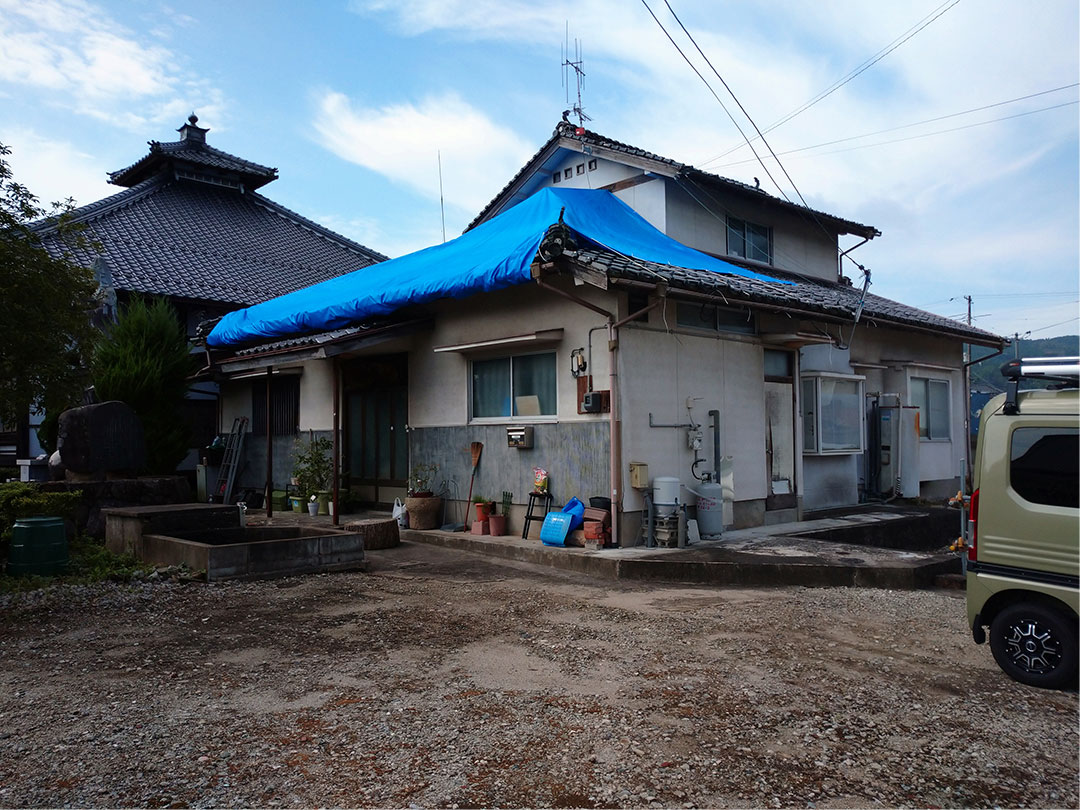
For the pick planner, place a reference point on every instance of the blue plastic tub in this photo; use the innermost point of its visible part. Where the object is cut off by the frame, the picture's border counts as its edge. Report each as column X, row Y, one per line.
column 556, row 527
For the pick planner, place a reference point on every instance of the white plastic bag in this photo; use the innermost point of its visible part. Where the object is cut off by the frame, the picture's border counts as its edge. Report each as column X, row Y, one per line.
column 400, row 514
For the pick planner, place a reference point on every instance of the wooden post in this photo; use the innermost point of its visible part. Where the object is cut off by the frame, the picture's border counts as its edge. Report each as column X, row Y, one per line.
column 336, row 519
column 269, row 450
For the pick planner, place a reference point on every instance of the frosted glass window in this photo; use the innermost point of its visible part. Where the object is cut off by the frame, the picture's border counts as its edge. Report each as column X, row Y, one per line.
column 522, row 385
column 841, row 426
column 832, row 414
column 931, row 397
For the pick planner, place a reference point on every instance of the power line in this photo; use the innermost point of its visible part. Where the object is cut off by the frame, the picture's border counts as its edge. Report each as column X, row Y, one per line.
column 924, row 121
column 1059, row 323
column 910, row 137
column 861, row 68
column 721, row 103
column 742, row 108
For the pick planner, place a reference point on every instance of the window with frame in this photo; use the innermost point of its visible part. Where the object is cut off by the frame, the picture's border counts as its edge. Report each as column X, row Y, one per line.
column 522, row 385
column 714, row 319
column 748, row 240
column 1044, row 465
column 931, row 397
column 832, row 414
column 284, row 406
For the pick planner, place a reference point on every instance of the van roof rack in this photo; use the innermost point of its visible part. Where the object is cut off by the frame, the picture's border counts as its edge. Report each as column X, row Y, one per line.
column 1065, row 370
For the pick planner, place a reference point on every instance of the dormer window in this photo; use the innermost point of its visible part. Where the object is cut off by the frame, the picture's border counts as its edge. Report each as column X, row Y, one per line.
column 749, row 241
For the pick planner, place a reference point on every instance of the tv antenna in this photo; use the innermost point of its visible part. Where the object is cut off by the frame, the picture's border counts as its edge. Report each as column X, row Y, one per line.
column 575, row 64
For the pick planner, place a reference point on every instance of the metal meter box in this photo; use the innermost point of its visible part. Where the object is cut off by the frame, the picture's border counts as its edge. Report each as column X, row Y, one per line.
column 520, row 437
column 639, row 475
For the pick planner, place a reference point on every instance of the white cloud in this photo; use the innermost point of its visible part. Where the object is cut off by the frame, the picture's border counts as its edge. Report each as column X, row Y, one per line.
column 83, row 60
column 404, row 141
column 55, row 170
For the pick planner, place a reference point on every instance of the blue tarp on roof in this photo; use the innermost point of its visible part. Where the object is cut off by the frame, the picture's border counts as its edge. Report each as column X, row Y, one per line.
column 490, row 257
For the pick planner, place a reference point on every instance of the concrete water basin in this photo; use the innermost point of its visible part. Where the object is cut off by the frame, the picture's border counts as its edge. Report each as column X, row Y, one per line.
column 207, row 537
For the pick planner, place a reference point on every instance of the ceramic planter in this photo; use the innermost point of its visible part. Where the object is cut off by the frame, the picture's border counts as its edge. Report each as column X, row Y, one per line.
column 497, row 525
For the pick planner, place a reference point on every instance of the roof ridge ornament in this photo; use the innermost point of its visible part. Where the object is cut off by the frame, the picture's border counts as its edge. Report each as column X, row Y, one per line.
column 191, row 132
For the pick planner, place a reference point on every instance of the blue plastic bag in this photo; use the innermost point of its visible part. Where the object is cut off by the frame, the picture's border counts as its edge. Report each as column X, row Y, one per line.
column 576, row 509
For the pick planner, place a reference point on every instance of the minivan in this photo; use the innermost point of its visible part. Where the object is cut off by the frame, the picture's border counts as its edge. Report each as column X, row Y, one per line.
column 1023, row 564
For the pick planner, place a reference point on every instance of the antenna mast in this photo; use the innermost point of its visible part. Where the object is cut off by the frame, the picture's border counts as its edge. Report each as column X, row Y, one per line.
column 577, row 65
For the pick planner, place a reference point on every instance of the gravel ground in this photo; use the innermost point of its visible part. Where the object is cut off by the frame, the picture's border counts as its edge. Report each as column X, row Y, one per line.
column 440, row 679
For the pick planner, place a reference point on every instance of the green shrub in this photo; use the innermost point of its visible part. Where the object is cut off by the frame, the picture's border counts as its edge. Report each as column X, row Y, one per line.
column 144, row 362
column 89, row 562
column 19, row 500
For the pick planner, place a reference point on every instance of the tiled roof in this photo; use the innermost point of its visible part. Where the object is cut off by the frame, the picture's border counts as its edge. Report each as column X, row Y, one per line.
column 805, row 295
column 195, row 153
column 683, row 170
column 193, row 240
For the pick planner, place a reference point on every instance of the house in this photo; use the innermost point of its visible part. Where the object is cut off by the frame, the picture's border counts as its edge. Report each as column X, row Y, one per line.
column 617, row 304
column 192, row 226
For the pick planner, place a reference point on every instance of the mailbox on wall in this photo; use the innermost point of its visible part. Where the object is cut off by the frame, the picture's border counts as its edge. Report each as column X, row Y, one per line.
column 520, row 437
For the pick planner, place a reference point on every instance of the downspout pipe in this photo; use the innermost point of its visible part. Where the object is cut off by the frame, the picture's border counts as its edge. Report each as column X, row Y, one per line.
column 615, row 442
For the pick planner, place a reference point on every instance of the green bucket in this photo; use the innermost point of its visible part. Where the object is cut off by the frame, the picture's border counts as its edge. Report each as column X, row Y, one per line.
column 38, row 546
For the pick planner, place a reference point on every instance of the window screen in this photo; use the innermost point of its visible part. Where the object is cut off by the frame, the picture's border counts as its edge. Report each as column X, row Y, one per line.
column 1044, row 465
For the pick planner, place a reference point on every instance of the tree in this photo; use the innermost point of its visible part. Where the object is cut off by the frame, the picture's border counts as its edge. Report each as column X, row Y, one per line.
column 45, row 305
column 144, row 360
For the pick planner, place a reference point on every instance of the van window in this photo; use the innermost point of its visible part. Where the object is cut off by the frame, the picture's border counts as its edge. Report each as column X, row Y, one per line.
column 1044, row 465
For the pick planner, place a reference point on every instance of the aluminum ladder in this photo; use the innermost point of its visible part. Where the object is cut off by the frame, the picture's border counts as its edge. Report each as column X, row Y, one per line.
column 230, row 462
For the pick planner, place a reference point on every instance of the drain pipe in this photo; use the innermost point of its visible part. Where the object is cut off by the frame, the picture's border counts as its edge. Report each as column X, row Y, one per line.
column 614, row 442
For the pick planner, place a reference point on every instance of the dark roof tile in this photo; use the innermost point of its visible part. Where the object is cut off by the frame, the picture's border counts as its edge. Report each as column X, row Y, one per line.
column 806, row 294
column 192, row 240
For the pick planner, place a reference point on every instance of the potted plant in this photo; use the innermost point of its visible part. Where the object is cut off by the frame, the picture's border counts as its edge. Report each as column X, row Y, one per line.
column 420, row 502
column 484, row 507
column 497, row 521
column 313, row 470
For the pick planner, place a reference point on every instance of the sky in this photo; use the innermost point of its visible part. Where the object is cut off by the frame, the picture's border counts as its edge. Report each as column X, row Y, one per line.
column 358, row 102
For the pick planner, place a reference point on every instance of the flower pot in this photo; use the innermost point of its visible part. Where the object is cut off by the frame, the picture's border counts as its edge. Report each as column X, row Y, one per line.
column 497, row 525
column 313, row 508
column 296, row 503
column 424, row 513
column 324, row 503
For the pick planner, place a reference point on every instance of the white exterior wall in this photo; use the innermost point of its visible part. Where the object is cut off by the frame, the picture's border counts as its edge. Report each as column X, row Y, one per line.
column 798, row 246
column 899, row 357
column 439, row 382
column 647, row 198
column 658, row 372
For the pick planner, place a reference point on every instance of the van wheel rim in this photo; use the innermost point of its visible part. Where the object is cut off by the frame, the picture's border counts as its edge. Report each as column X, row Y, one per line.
column 1032, row 647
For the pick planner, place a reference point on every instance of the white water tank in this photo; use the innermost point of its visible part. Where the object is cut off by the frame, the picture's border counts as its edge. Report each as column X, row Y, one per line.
column 665, row 493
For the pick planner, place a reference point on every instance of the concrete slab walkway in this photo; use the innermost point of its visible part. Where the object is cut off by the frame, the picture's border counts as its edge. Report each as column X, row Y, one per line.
column 761, row 556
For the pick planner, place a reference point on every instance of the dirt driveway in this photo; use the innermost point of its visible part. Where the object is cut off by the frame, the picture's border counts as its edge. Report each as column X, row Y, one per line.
column 441, row 679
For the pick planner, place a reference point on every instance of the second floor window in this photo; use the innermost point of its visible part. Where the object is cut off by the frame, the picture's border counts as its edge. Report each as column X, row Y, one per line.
column 749, row 241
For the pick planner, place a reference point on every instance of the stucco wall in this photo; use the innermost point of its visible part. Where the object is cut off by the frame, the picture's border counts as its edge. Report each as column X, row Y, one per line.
column 439, row 381
column 798, row 246
column 659, row 371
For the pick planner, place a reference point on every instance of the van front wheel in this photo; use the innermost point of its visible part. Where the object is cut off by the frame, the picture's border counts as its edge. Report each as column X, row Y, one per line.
column 1035, row 644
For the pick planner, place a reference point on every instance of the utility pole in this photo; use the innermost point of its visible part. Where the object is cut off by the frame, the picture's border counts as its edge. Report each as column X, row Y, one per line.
column 967, row 420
